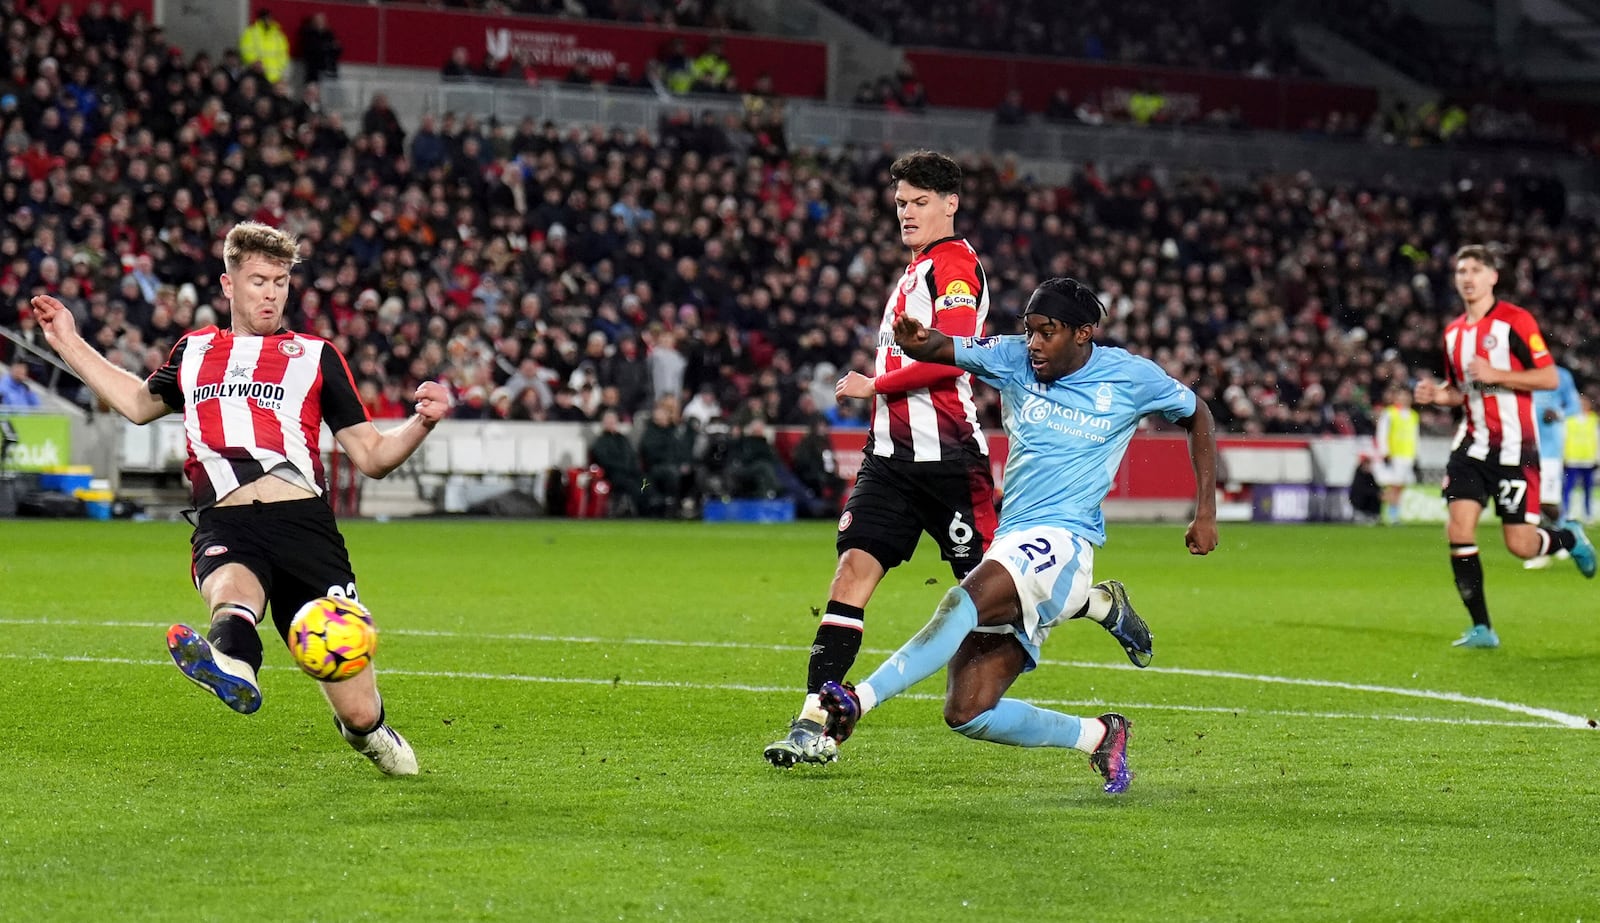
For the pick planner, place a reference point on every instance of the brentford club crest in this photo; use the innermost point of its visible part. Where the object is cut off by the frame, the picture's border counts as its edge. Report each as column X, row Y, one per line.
column 1490, row 342
column 844, row 521
column 292, row 349
column 215, row 550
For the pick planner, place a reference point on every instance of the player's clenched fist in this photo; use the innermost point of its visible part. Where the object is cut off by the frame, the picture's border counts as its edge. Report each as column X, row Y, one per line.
column 433, row 401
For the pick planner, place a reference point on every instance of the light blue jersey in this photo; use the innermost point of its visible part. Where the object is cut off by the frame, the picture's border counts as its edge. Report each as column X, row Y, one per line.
column 1564, row 400
column 1068, row 436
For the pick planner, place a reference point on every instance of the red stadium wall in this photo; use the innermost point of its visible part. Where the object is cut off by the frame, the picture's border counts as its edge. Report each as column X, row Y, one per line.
column 982, row 81
column 401, row 35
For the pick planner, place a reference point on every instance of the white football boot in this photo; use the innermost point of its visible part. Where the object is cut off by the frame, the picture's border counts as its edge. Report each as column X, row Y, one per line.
column 385, row 747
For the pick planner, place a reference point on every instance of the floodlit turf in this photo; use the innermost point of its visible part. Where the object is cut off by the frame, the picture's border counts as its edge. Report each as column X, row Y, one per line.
column 589, row 702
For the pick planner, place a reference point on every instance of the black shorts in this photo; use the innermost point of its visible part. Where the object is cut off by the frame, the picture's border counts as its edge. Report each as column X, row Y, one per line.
column 293, row 547
column 1513, row 489
column 894, row 502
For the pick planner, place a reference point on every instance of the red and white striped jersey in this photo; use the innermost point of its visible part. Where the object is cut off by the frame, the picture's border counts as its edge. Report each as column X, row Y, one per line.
column 1499, row 424
column 252, row 404
column 926, row 412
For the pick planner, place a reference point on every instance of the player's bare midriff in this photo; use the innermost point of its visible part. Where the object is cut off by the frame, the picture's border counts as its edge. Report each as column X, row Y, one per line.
column 265, row 490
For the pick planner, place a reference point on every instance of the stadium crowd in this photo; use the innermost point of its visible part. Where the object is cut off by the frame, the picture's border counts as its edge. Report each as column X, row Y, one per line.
column 1207, row 34
column 1397, row 36
column 552, row 274
column 697, row 14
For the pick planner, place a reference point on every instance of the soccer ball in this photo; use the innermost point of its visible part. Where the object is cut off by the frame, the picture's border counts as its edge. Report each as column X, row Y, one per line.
column 332, row 638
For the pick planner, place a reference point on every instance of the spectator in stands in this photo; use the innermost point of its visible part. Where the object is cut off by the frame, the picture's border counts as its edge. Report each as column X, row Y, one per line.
column 1011, row 111
column 522, row 69
column 565, row 408
column 667, row 365
column 622, row 78
column 666, row 452
column 458, row 66
column 703, row 407
column 380, row 119
column 494, row 66
column 579, row 75
column 429, row 148
column 677, row 67
column 380, row 403
column 143, row 274
column 264, row 47
column 614, row 452
column 14, row 389
column 320, row 49
column 710, row 71
column 752, row 462
column 1060, row 110
column 1147, row 105
column 625, row 369
column 96, row 27
column 817, row 469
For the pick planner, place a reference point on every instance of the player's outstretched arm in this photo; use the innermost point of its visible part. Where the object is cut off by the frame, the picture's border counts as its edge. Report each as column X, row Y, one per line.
column 121, row 390
column 377, row 453
column 1201, row 536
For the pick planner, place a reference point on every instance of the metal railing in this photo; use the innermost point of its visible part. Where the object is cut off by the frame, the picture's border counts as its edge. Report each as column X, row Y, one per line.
column 1046, row 150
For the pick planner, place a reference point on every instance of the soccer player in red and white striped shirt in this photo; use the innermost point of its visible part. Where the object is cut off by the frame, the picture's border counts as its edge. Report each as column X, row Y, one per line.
column 254, row 399
column 926, row 464
column 1495, row 358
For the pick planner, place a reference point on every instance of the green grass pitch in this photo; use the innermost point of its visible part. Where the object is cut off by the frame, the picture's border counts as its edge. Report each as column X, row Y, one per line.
column 589, row 702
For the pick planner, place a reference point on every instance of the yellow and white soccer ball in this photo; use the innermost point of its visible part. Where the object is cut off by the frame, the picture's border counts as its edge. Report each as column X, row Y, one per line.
column 333, row 638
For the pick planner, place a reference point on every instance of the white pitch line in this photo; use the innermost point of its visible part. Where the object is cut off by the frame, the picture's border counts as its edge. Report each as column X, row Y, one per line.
column 1560, row 718
column 914, row 696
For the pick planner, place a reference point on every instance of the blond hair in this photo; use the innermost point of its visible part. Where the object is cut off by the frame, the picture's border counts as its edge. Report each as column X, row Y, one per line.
column 252, row 238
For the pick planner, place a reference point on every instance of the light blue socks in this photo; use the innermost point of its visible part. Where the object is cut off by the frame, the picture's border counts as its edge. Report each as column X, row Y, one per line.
column 1022, row 725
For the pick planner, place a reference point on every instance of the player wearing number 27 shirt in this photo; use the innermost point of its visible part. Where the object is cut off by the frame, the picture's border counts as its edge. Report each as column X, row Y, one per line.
column 1495, row 358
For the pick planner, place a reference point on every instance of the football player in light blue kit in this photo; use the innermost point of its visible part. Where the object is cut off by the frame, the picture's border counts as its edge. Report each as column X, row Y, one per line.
column 1551, row 410
column 1070, row 408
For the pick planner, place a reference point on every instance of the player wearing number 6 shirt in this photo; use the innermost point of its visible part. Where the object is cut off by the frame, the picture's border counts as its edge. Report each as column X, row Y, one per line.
column 1071, row 408
column 254, row 399
column 926, row 463
column 1495, row 358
